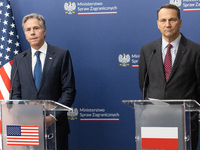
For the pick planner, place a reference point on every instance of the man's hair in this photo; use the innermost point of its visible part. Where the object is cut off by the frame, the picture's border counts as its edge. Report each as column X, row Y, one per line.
column 36, row 16
column 170, row 6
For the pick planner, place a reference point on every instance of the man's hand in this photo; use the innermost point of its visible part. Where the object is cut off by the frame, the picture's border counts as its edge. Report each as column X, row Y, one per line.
column 49, row 121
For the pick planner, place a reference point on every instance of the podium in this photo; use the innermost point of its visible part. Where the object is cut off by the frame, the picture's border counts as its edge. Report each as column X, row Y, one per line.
column 23, row 124
column 163, row 124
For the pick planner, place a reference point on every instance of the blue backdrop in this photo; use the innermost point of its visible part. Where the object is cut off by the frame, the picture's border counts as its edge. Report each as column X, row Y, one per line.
column 96, row 33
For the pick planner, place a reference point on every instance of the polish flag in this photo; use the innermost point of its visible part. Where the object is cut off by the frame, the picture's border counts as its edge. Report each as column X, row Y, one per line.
column 159, row 137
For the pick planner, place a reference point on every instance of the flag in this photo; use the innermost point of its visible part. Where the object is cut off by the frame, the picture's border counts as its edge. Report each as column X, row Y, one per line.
column 159, row 137
column 9, row 46
column 19, row 135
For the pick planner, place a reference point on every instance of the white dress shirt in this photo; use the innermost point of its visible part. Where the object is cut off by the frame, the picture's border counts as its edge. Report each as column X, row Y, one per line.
column 43, row 51
column 174, row 49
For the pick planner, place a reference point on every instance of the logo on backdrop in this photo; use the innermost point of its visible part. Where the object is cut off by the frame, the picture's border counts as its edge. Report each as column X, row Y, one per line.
column 127, row 59
column 124, row 59
column 70, row 7
column 72, row 114
column 175, row 2
column 89, row 8
column 188, row 5
column 93, row 114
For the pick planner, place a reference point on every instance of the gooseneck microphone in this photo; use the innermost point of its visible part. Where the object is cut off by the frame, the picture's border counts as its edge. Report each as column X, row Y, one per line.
column 11, row 89
column 145, row 78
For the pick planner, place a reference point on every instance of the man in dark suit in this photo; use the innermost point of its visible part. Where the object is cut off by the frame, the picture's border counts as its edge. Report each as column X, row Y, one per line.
column 173, row 73
column 56, row 78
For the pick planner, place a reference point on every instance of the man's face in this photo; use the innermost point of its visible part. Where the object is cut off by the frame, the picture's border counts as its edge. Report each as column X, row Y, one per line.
column 34, row 33
column 169, row 24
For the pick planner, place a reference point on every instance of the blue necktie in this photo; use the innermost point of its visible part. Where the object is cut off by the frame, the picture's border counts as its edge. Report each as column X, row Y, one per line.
column 37, row 70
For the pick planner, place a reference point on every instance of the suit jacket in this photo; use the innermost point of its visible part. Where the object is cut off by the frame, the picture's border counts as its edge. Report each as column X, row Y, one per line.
column 57, row 81
column 184, row 80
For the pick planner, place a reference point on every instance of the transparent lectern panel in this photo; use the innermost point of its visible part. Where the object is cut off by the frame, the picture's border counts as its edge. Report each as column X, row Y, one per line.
column 49, row 105
column 22, row 127
column 170, row 115
column 190, row 105
column 50, row 133
column 20, row 114
column 160, row 127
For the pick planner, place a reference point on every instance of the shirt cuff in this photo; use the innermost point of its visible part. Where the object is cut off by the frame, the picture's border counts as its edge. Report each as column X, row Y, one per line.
column 53, row 117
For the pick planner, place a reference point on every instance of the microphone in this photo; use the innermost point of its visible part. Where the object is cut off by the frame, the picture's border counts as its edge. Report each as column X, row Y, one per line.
column 11, row 89
column 145, row 78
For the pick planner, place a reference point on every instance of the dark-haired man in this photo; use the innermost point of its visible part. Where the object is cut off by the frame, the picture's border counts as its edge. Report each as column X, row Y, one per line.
column 174, row 70
column 46, row 73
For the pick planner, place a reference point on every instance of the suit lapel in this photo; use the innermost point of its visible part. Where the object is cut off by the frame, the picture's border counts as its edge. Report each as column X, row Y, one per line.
column 48, row 62
column 28, row 67
column 158, row 55
column 180, row 53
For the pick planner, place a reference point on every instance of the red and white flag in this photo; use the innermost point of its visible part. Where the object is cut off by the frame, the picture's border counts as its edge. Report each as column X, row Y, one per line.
column 159, row 137
column 9, row 46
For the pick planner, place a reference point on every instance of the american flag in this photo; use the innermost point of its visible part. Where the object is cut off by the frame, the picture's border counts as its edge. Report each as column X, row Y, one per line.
column 19, row 135
column 9, row 46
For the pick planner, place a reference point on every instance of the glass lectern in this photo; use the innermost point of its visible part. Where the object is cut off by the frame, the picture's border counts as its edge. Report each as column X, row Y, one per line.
column 23, row 124
column 162, row 124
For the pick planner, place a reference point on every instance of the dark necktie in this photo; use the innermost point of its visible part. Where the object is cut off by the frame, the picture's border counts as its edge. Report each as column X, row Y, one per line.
column 37, row 70
column 168, row 62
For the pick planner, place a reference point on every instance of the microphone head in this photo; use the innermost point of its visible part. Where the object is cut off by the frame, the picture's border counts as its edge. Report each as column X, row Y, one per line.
column 25, row 53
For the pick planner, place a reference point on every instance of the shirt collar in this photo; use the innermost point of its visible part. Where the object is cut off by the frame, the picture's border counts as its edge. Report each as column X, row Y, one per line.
column 174, row 43
column 43, row 49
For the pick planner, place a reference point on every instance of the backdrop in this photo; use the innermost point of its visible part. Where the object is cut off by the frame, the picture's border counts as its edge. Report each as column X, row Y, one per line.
column 98, row 34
